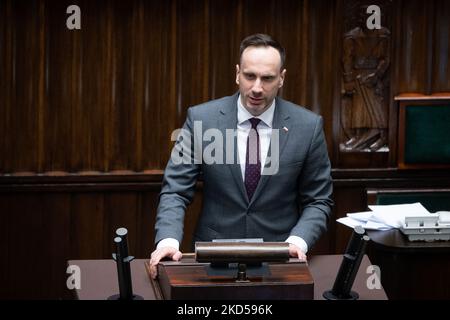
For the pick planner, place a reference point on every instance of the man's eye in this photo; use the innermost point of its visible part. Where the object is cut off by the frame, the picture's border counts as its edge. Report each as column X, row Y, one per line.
column 250, row 76
column 268, row 79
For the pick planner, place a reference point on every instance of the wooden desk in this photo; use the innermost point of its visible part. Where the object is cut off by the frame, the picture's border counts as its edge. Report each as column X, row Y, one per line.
column 99, row 278
column 411, row 270
column 182, row 280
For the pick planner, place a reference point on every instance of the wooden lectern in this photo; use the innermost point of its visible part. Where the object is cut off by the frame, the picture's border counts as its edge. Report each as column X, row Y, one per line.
column 189, row 280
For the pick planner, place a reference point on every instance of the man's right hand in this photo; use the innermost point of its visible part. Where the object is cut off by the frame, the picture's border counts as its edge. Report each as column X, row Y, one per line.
column 160, row 253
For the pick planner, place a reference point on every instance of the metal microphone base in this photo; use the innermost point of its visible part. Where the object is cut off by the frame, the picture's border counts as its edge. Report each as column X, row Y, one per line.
column 330, row 296
column 117, row 297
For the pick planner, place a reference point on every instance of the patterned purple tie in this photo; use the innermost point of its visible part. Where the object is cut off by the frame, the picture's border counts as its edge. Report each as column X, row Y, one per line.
column 252, row 159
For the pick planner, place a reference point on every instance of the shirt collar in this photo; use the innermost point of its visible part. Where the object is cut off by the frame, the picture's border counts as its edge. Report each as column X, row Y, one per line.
column 266, row 117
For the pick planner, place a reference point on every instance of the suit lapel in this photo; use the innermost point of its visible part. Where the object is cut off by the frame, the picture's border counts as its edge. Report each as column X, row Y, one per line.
column 280, row 123
column 228, row 120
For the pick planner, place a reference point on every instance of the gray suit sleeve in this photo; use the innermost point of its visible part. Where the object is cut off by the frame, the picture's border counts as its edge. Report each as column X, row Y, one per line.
column 315, row 190
column 178, row 186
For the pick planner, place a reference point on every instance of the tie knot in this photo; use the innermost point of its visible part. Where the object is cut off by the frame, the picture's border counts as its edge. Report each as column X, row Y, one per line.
column 254, row 122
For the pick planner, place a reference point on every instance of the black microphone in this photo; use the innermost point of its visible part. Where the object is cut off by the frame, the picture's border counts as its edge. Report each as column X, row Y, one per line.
column 123, row 267
column 349, row 267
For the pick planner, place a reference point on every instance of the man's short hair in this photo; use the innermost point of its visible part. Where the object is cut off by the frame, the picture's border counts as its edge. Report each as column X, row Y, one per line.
column 262, row 40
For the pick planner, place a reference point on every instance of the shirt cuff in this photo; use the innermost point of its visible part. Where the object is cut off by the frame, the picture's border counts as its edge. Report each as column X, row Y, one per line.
column 299, row 242
column 168, row 242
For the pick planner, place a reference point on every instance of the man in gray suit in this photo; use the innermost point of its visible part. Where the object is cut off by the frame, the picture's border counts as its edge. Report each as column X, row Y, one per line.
column 286, row 199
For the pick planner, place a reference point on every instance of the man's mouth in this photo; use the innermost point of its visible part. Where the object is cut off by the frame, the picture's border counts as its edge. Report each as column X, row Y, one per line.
column 255, row 100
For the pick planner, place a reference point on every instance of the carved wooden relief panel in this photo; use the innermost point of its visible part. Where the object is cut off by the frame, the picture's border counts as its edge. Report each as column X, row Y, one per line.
column 365, row 79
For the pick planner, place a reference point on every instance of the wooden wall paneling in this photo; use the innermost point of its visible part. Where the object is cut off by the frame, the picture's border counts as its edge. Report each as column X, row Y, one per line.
column 42, row 102
column 413, row 62
column 192, row 55
column 135, row 66
column 25, row 267
column 441, row 54
column 88, row 223
column 5, row 82
column 396, row 53
column 86, row 100
column 123, row 112
column 334, row 136
column 137, row 91
column 225, row 38
column 429, row 43
column 159, row 113
column 291, row 30
column 106, row 96
column 322, row 68
column 60, row 110
column 320, row 53
column 53, row 254
column 92, row 89
column 121, row 210
column 257, row 17
column 5, row 246
column 79, row 145
column 347, row 200
column 25, row 23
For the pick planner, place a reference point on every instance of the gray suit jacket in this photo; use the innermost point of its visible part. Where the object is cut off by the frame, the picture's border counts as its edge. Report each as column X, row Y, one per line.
column 294, row 201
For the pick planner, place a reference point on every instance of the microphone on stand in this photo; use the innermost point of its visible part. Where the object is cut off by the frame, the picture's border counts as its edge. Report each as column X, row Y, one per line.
column 349, row 267
column 123, row 261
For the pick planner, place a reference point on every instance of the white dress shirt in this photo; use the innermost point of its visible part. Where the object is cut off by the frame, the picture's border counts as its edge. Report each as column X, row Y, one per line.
column 264, row 129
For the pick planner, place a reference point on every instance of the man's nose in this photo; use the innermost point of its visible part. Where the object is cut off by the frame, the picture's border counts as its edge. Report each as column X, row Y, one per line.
column 257, row 86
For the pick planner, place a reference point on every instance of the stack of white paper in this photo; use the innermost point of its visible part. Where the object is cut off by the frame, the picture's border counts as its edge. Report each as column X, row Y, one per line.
column 384, row 217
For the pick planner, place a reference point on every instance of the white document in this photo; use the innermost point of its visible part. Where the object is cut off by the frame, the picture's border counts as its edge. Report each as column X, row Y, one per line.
column 372, row 225
column 349, row 222
column 383, row 217
column 361, row 216
column 367, row 225
column 394, row 215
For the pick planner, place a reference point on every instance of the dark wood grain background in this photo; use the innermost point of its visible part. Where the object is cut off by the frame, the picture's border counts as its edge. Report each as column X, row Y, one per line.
column 86, row 115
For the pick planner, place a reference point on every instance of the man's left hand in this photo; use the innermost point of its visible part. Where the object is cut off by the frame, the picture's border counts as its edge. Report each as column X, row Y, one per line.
column 296, row 252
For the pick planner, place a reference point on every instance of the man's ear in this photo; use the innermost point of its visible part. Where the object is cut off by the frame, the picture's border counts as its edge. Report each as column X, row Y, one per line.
column 282, row 75
column 237, row 74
